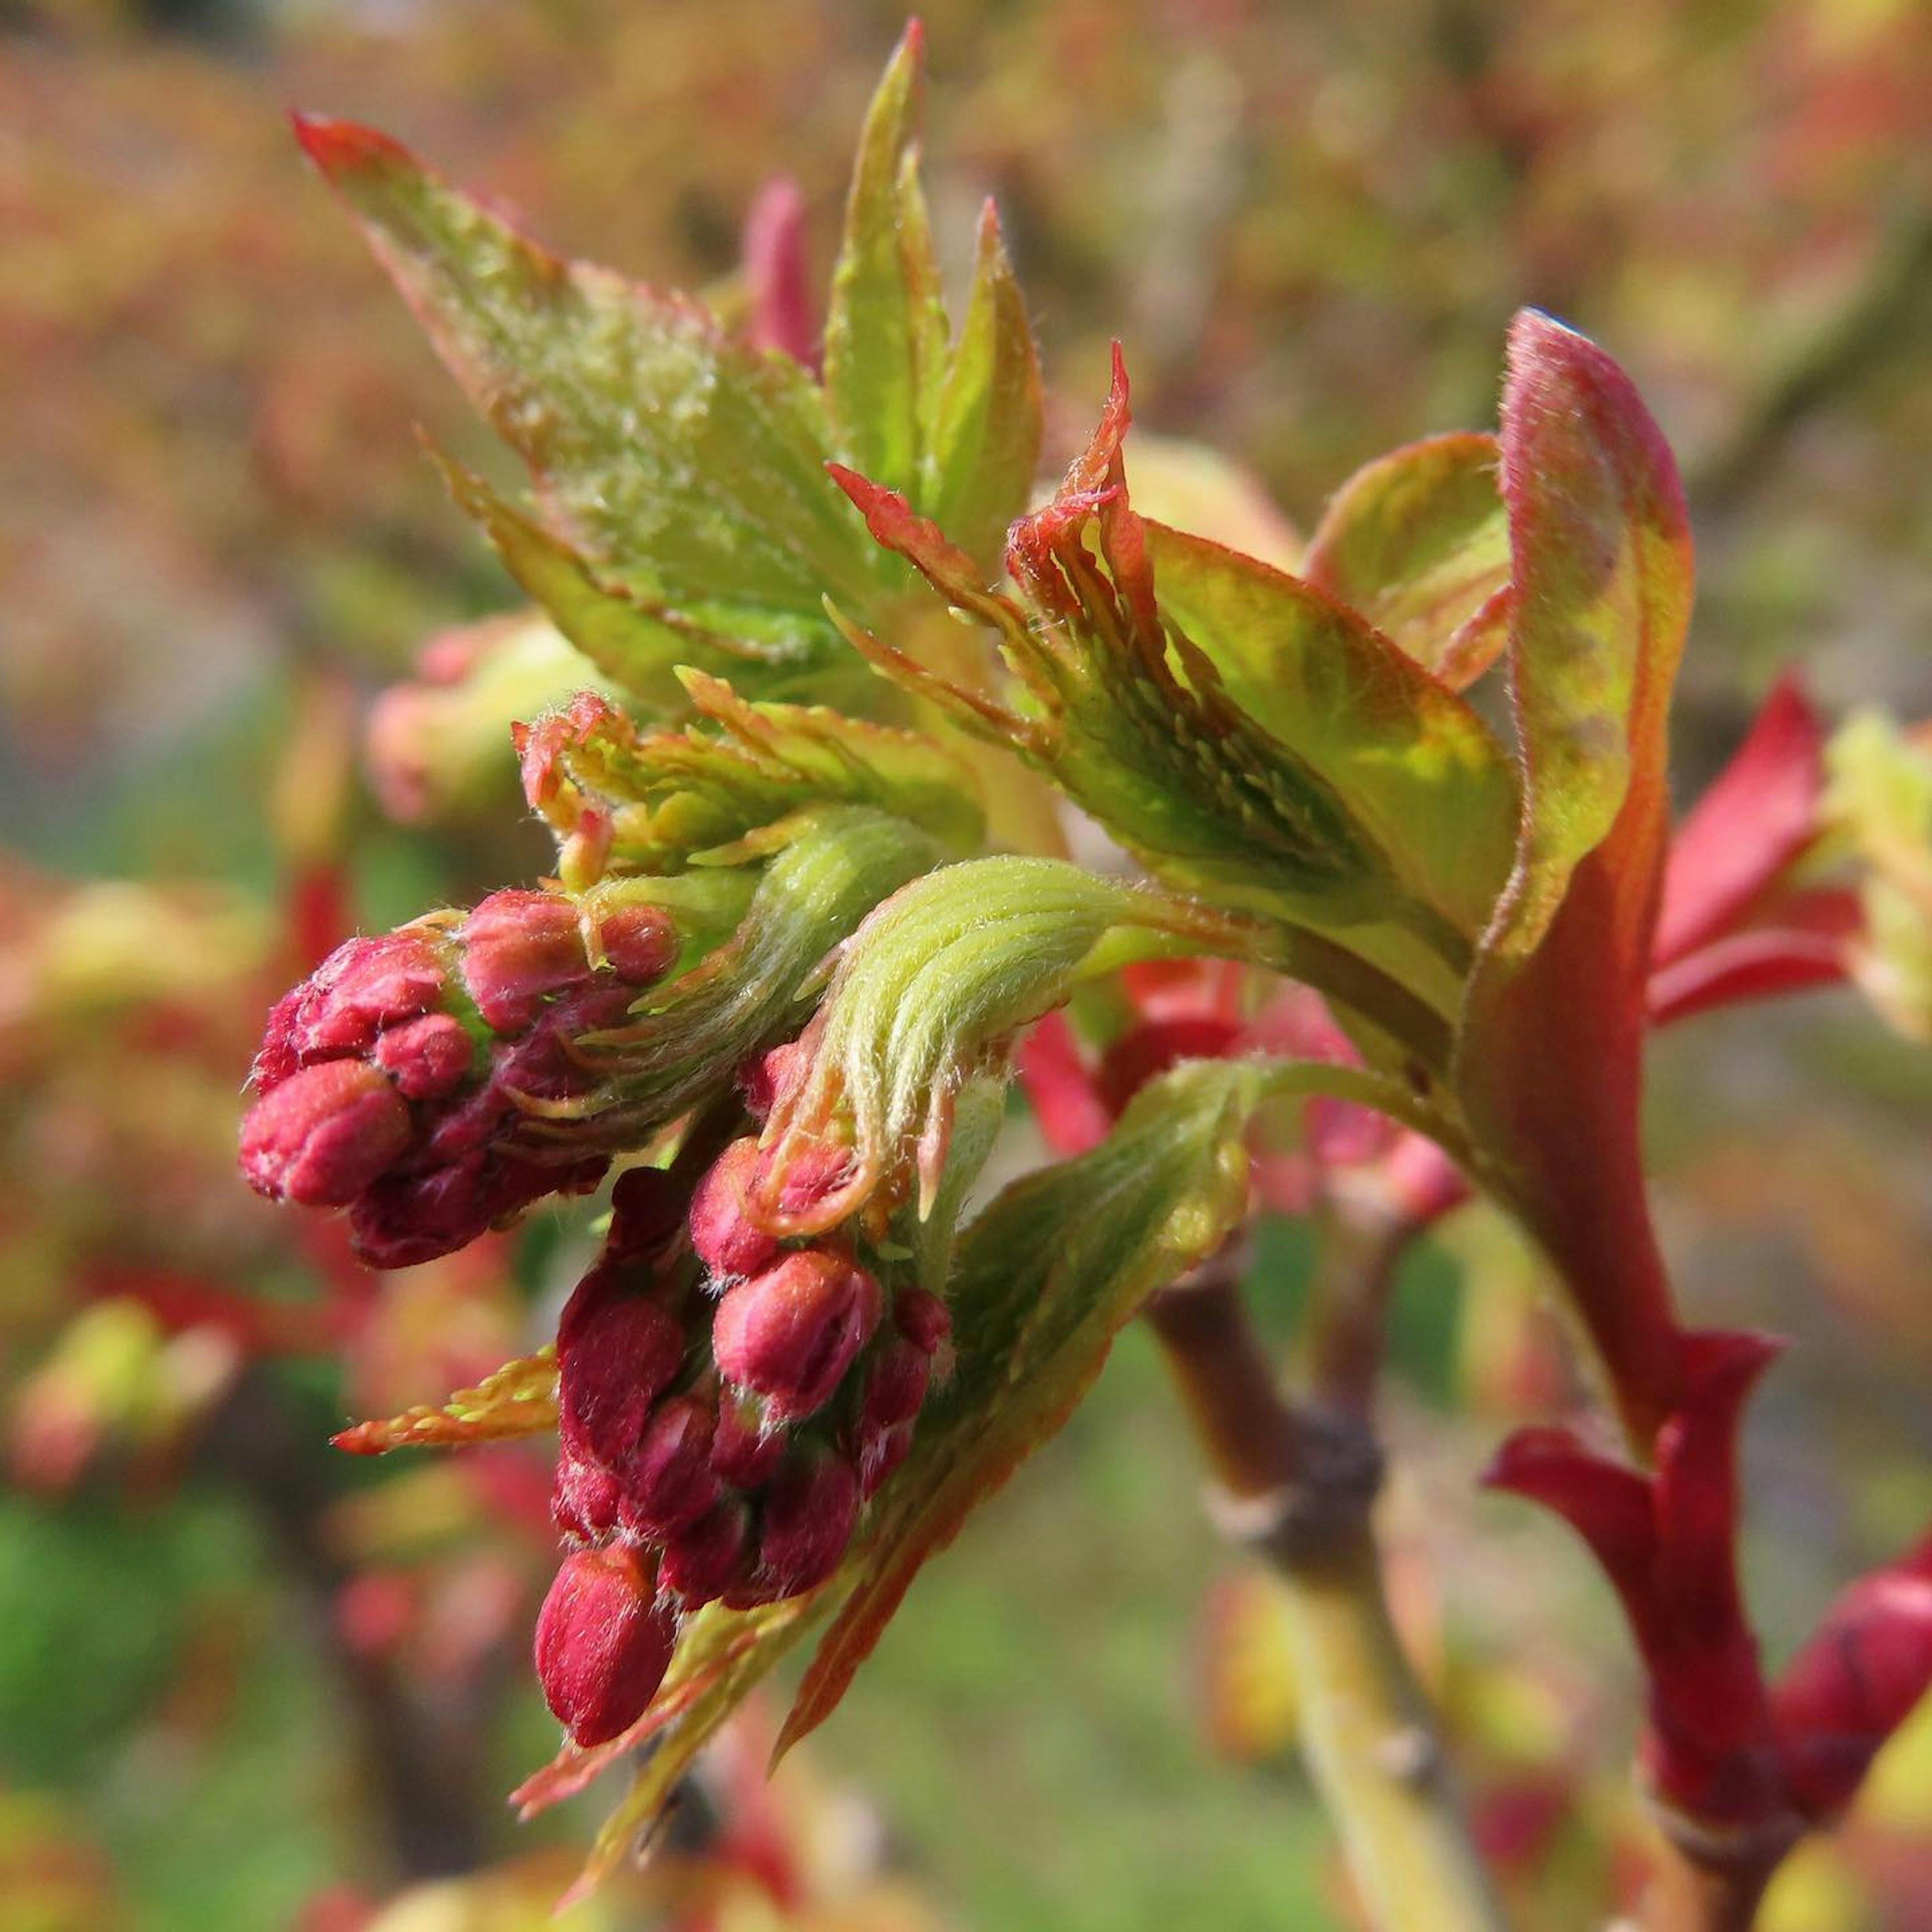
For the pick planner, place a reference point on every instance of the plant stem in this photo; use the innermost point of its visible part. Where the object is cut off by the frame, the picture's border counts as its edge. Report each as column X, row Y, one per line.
column 1296, row 1486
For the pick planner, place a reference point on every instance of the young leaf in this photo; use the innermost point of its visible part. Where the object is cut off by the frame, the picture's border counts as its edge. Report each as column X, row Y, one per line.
column 687, row 466
column 886, row 332
column 519, row 1399
column 1042, row 1280
column 1549, row 1058
column 984, row 449
column 1417, row 542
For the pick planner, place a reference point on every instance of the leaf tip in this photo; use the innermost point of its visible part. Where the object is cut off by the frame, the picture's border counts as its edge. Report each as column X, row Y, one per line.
column 341, row 148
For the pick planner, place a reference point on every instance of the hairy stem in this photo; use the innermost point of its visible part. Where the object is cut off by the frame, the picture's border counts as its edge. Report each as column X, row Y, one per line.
column 1296, row 1486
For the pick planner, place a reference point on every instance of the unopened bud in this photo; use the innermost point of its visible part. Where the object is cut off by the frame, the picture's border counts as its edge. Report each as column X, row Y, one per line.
column 519, row 948
column 647, row 1208
column 702, row 1561
column 789, row 1333
column 723, row 1234
column 895, row 1386
column 922, row 1319
column 640, row 943
column 745, row 1448
column 427, row 1058
column 322, row 1135
column 615, row 1352
column 668, row 1481
column 584, row 1503
column 810, row 1513
column 772, row 1077
column 881, row 1453
column 603, row 1643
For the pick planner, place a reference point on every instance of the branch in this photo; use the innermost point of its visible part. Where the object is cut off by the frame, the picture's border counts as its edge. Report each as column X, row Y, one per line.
column 1296, row 1486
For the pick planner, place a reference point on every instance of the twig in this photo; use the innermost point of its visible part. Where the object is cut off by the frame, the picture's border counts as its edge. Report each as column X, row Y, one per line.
column 1296, row 1485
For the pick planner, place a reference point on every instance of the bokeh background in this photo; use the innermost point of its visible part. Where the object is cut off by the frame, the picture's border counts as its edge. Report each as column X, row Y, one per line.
column 246, row 1682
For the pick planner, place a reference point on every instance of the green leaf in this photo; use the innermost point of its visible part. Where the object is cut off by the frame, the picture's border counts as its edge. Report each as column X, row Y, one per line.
column 886, row 330
column 1549, row 1058
column 519, row 1399
column 986, row 422
column 1042, row 1281
column 722, row 790
column 639, row 646
column 930, row 989
column 1416, row 768
column 1417, row 542
column 686, row 466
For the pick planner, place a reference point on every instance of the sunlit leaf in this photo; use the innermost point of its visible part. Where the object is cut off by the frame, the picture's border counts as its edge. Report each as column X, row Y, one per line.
column 519, row 1399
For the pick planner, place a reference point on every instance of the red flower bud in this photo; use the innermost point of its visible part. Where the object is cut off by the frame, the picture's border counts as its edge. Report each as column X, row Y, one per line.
column 895, row 1386
column 880, row 1455
column 723, row 1234
column 324, row 1133
column 615, row 1352
column 772, row 1077
column 789, row 1333
column 922, row 1319
column 366, row 984
column 603, row 1644
column 584, row 1503
column 745, row 1450
column 810, row 1513
column 668, row 1481
column 427, row 1058
column 704, row 1560
column 647, row 1208
column 640, row 943
column 519, row 948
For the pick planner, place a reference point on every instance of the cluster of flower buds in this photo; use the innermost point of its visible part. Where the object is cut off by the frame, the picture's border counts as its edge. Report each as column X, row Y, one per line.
column 728, row 1402
column 396, row 1081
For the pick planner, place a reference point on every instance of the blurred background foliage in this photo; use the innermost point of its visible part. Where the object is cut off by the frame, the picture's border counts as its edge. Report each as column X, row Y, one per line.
column 246, row 1682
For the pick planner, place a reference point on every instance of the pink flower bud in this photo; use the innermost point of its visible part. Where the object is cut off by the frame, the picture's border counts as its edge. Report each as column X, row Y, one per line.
column 403, row 1219
column 922, row 1319
column 704, row 1560
column 810, row 1513
column 772, row 1077
column 616, row 1351
column 603, row 1644
column 745, row 1450
column 881, row 1455
column 668, row 1482
column 895, row 1386
column 584, row 1503
column 723, row 1234
column 640, row 943
column 322, row 1135
column 427, row 1058
column 519, row 948
column 366, row 984
column 789, row 1333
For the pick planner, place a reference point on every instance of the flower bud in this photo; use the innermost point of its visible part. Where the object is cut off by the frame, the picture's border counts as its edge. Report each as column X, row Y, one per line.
column 585, row 1501
column 702, row 1561
column 922, row 1319
column 668, row 1481
column 519, row 948
column 723, row 1234
column 745, row 1448
column 789, row 1333
column 324, row 1133
column 772, row 1077
column 603, row 1644
column 427, row 1058
column 616, row 1351
column 880, row 1455
column 639, row 944
column 895, row 1386
column 810, row 1513
column 647, row 1208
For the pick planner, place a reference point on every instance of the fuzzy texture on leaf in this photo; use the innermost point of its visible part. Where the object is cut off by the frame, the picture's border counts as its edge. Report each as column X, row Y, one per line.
column 1417, row 542
column 686, row 466
column 1549, row 1058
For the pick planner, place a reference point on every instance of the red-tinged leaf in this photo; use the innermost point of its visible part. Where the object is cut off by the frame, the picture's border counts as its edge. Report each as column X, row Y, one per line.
column 886, row 333
column 519, row 1399
column 1418, row 543
column 778, row 281
column 1549, row 1057
column 1856, row 1680
column 688, row 466
column 1042, row 1280
column 1748, row 966
column 1759, row 815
